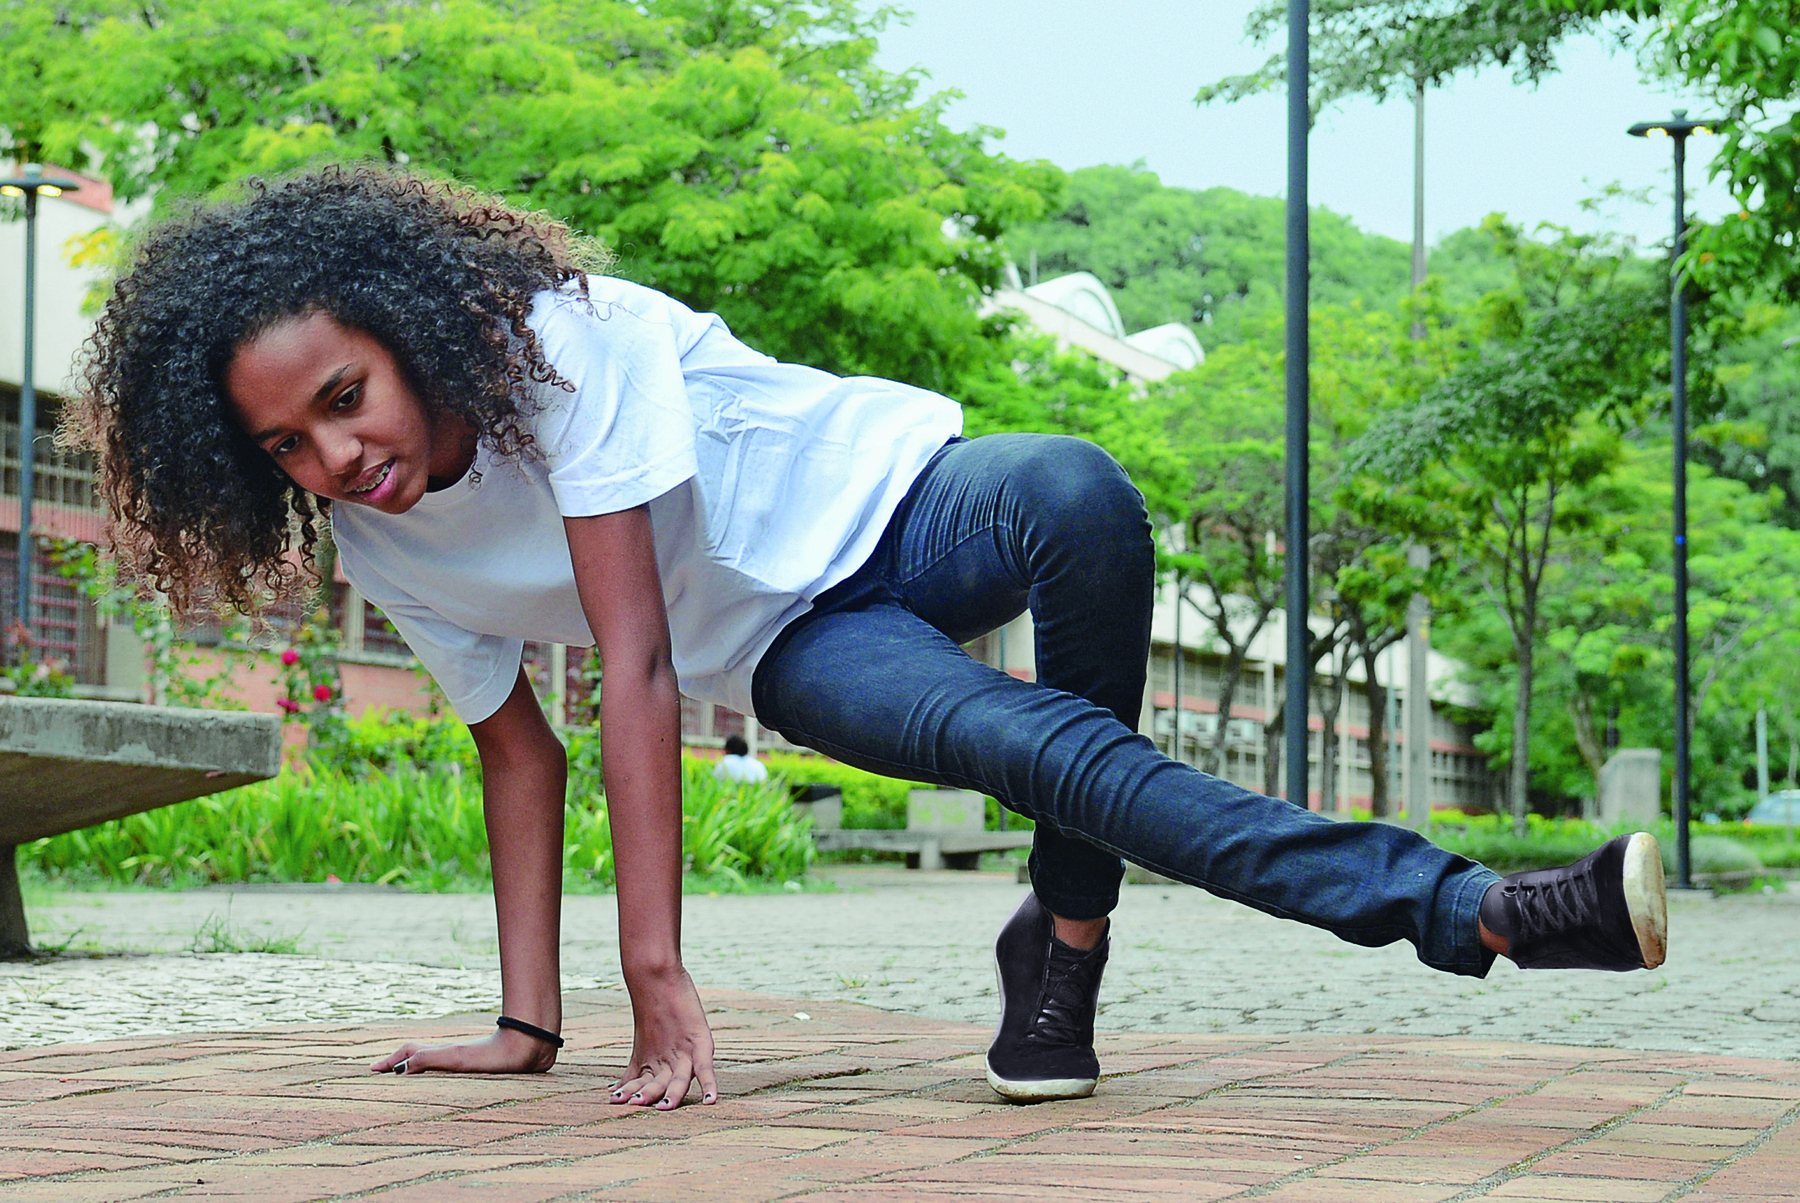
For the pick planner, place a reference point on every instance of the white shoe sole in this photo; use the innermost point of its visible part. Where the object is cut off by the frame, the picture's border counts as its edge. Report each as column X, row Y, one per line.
column 1645, row 898
column 1045, row 1091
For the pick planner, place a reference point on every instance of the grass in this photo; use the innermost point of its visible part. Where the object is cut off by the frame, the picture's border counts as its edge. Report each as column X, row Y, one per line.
column 423, row 831
column 216, row 934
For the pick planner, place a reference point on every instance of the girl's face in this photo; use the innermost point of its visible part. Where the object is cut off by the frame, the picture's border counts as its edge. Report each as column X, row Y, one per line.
column 330, row 404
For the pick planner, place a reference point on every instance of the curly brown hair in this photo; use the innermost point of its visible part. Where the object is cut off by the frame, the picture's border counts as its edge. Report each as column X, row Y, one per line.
column 443, row 276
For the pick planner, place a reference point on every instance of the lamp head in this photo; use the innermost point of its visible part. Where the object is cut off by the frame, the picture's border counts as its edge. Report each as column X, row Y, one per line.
column 31, row 180
column 1678, row 126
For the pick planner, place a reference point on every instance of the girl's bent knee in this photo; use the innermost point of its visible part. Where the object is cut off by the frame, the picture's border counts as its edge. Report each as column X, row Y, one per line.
column 1076, row 483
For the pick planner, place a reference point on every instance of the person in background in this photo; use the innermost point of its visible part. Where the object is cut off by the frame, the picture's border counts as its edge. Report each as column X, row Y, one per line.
column 738, row 765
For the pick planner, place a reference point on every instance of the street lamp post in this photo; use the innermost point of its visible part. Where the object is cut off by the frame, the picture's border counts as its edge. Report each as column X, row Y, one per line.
column 1679, row 128
column 1299, row 279
column 29, row 183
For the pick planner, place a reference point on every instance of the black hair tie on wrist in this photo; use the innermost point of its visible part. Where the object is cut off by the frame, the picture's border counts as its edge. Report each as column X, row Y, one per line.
column 530, row 1029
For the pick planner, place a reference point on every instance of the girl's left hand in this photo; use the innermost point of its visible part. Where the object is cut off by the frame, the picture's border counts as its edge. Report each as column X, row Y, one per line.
column 672, row 1046
column 505, row 1052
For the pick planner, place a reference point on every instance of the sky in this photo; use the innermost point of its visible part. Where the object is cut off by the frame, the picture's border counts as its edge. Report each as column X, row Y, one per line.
column 1082, row 83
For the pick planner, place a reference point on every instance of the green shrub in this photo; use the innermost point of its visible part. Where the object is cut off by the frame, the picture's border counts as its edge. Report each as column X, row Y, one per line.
column 404, row 826
column 1490, row 840
column 870, row 800
column 1713, row 854
column 1773, row 844
column 384, row 741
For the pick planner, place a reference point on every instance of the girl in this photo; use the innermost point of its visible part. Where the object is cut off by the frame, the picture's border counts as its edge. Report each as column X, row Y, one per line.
column 509, row 448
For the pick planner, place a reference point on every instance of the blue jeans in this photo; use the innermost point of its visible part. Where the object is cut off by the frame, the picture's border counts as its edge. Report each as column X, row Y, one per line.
column 874, row 676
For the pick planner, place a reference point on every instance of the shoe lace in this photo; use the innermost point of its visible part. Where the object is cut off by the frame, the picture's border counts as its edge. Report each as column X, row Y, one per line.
column 1555, row 903
column 1066, row 1009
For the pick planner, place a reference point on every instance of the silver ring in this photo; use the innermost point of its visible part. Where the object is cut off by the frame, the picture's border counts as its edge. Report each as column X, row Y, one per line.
column 400, row 1067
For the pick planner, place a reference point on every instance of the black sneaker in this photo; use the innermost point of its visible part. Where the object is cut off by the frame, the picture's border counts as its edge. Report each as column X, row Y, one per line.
column 1044, row 1046
column 1605, row 911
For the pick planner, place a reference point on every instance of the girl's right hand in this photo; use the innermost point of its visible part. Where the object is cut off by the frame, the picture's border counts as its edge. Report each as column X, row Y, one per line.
column 672, row 1044
column 505, row 1052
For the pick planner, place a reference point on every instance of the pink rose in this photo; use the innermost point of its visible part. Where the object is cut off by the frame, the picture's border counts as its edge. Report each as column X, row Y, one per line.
column 290, row 657
column 322, row 693
column 288, row 704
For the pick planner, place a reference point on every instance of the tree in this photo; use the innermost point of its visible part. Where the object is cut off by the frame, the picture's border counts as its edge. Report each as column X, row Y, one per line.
column 1744, row 59
column 1378, row 48
column 1601, row 674
column 1754, row 436
column 1502, row 450
column 1211, row 258
column 748, row 158
column 1226, row 418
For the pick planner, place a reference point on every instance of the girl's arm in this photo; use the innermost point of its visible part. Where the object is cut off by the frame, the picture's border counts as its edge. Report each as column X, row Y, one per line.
column 524, row 779
column 640, row 734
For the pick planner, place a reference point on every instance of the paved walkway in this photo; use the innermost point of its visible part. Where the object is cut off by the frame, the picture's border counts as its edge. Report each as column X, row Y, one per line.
column 1183, row 961
column 836, row 1103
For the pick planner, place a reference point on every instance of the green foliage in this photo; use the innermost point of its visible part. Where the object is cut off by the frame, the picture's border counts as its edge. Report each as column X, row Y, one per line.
column 1490, row 839
column 1743, row 58
column 1212, row 258
column 1605, row 659
column 1547, row 843
column 421, row 830
column 1775, row 846
column 1754, row 434
column 382, row 741
column 749, row 159
column 1497, row 465
column 870, row 800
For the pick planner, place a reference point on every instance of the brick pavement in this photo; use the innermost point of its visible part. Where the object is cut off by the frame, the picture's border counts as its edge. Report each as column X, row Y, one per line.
column 836, row 1102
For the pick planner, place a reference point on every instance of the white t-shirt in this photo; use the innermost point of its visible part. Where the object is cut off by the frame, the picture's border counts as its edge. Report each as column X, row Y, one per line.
column 767, row 484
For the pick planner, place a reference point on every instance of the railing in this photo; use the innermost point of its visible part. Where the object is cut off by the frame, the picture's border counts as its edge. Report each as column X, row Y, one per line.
column 64, row 628
column 58, row 477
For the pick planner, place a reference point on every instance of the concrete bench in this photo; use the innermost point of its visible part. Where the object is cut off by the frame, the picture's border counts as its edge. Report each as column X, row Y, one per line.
column 70, row 764
column 944, row 830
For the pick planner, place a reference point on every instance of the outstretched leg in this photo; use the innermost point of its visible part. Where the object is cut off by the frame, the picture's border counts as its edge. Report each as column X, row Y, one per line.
column 866, row 678
column 876, row 686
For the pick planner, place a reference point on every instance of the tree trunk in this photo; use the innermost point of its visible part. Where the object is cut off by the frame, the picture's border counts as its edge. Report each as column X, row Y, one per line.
column 1212, row 759
column 1376, row 692
column 1272, row 731
column 1581, row 713
column 1520, row 774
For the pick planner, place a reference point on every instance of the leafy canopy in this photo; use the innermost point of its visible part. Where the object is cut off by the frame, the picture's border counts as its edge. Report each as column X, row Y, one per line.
column 748, row 158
